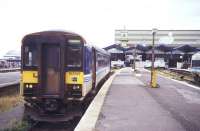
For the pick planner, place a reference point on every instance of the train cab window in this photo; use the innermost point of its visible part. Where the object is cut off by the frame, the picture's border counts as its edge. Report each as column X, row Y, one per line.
column 74, row 54
column 30, row 56
column 195, row 63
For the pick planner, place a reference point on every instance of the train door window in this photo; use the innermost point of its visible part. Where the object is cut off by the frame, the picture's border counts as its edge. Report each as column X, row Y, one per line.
column 74, row 54
column 30, row 55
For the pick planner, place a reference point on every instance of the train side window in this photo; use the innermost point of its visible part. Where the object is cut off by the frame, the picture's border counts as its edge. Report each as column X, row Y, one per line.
column 30, row 56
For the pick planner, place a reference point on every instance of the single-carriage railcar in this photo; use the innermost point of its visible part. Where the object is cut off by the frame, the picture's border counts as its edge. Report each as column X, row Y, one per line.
column 59, row 69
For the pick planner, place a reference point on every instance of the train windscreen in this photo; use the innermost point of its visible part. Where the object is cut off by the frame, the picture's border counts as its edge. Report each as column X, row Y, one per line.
column 195, row 63
column 74, row 54
column 30, row 55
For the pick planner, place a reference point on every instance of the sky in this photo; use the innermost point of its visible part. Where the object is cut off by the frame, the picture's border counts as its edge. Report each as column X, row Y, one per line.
column 95, row 20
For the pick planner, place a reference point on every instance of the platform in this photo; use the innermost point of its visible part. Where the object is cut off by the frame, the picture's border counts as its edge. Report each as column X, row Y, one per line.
column 130, row 104
column 9, row 78
column 128, row 107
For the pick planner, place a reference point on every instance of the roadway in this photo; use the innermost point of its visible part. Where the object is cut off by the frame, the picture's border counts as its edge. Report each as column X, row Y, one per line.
column 9, row 78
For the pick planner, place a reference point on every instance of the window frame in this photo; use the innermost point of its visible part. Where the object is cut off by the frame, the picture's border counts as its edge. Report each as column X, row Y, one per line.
column 25, row 56
column 81, row 54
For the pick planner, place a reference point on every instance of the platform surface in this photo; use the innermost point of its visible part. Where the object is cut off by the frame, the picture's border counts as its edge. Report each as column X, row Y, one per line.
column 129, row 106
column 9, row 78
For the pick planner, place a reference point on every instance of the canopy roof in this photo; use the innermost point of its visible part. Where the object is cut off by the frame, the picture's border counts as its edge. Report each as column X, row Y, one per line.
column 186, row 48
column 115, row 46
column 164, row 48
column 139, row 47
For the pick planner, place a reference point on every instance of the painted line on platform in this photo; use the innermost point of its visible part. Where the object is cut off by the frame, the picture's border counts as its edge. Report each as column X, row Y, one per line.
column 181, row 82
column 89, row 119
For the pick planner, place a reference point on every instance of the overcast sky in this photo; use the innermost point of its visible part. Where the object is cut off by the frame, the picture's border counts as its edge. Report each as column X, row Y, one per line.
column 95, row 20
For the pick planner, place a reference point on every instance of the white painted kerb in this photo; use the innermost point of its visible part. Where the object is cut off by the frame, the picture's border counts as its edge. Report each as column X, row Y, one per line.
column 89, row 119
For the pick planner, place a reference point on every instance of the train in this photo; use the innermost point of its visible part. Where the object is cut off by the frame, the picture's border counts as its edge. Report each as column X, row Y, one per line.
column 59, row 69
column 195, row 67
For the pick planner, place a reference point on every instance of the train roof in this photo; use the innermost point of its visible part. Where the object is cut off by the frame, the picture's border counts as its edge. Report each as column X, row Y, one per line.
column 102, row 50
column 56, row 33
column 196, row 56
column 60, row 34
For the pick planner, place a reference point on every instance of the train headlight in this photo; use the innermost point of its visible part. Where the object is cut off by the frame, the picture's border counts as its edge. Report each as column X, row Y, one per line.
column 30, row 86
column 76, row 87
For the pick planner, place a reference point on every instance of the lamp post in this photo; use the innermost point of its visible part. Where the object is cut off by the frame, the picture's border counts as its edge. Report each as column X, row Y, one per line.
column 153, row 81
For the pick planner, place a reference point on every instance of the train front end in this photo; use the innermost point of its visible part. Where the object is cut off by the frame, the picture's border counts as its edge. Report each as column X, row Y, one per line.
column 52, row 72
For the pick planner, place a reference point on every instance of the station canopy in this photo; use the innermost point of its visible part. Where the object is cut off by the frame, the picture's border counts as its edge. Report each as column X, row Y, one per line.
column 139, row 47
column 142, row 48
column 164, row 48
column 115, row 46
column 186, row 49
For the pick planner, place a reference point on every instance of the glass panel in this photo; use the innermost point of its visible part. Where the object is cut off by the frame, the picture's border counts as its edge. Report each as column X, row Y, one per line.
column 30, row 56
column 51, row 68
column 195, row 63
column 74, row 55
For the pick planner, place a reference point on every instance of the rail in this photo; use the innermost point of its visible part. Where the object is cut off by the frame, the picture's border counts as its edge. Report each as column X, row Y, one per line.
column 181, row 71
column 184, row 74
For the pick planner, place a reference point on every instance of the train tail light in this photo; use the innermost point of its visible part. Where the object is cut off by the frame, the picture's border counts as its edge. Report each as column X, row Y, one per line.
column 74, row 90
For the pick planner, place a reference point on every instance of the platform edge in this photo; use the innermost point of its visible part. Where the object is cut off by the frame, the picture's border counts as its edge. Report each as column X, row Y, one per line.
column 89, row 119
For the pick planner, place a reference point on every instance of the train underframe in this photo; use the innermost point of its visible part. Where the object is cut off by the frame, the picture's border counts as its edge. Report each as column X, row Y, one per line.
column 53, row 110
column 58, row 110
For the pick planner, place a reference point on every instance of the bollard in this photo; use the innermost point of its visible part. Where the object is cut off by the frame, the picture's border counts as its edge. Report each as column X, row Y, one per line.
column 154, row 79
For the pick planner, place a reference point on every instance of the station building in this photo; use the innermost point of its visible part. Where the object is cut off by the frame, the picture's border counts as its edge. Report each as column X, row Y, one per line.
column 172, row 46
column 181, row 37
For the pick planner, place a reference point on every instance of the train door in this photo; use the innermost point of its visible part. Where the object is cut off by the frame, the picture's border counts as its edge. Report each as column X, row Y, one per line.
column 51, row 66
column 93, row 68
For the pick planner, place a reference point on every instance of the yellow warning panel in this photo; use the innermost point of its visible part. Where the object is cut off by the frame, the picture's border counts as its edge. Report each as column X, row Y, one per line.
column 29, row 77
column 74, row 77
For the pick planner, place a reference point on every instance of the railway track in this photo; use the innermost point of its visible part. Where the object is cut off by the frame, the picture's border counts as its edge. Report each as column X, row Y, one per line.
column 180, row 75
column 9, row 80
column 60, row 126
column 10, row 89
